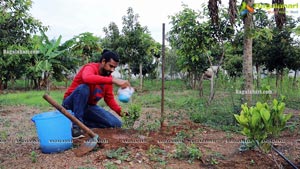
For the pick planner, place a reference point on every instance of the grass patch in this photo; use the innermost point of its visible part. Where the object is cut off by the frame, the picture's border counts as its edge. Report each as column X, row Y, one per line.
column 179, row 98
column 29, row 98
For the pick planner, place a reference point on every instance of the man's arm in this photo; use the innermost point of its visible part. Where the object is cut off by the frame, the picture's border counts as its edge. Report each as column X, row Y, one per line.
column 110, row 100
column 122, row 83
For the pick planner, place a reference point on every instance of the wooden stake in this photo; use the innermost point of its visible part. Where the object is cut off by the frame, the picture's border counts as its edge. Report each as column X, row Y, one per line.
column 163, row 75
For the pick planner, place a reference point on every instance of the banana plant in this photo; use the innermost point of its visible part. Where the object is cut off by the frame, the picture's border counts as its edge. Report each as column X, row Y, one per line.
column 48, row 58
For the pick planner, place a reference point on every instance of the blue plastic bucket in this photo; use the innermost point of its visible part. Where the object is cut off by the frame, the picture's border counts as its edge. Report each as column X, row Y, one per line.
column 54, row 131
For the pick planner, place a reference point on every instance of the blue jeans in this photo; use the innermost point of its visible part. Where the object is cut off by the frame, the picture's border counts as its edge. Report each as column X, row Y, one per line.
column 92, row 116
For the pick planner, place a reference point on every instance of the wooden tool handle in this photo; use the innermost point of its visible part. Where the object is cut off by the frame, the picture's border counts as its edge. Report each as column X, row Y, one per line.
column 68, row 115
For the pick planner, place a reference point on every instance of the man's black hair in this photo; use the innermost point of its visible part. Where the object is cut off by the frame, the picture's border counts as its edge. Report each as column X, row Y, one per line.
column 107, row 55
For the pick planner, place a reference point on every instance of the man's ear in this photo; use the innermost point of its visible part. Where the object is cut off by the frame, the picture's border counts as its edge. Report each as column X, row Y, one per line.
column 103, row 61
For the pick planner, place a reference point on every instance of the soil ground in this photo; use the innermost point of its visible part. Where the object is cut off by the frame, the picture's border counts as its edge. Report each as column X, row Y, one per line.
column 137, row 148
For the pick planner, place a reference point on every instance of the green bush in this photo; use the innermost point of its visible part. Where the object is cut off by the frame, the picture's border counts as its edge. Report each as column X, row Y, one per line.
column 262, row 121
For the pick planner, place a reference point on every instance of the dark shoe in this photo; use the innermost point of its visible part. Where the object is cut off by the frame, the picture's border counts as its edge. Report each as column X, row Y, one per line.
column 77, row 133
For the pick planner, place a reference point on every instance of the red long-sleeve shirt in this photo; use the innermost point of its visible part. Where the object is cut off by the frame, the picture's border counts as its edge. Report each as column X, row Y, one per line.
column 100, row 86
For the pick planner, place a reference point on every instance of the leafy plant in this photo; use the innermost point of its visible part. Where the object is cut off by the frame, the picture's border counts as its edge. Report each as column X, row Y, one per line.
column 182, row 135
column 48, row 60
column 3, row 135
column 110, row 165
column 134, row 112
column 262, row 121
column 118, row 154
column 228, row 135
column 187, row 152
column 252, row 162
column 214, row 161
column 33, row 157
column 155, row 154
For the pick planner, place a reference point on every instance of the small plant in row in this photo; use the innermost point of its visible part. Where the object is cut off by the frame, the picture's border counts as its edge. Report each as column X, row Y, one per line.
column 134, row 112
column 188, row 152
column 119, row 154
column 261, row 122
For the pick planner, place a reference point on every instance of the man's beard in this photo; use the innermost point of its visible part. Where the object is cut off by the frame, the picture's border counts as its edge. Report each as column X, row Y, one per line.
column 105, row 72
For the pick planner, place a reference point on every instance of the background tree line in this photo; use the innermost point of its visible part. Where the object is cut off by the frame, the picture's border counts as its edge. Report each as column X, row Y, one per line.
column 196, row 44
column 58, row 61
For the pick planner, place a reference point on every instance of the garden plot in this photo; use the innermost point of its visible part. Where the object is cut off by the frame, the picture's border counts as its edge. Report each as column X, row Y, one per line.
column 184, row 145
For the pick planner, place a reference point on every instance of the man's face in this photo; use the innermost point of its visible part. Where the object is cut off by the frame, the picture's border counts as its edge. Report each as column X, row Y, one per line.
column 106, row 68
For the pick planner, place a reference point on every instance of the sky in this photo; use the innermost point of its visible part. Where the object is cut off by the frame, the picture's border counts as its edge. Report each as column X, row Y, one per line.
column 72, row 17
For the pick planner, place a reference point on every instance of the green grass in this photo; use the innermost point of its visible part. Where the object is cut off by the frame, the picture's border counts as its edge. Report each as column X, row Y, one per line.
column 22, row 84
column 286, row 88
column 30, row 98
column 179, row 98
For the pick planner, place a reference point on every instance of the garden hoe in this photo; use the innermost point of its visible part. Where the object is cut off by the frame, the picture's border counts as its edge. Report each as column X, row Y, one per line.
column 88, row 145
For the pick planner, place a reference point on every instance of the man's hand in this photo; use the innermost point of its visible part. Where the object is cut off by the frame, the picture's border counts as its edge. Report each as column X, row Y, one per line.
column 122, row 83
column 124, row 114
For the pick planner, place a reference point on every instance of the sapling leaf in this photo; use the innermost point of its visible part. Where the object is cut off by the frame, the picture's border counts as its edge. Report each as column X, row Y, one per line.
column 275, row 102
column 282, row 98
column 265, row 114
column 287, row 117
column 281, row 107
column 255, row 118
column 246, row 132
column 237, row 117
column 245, row 108
column 243, row 120
column 259, row 105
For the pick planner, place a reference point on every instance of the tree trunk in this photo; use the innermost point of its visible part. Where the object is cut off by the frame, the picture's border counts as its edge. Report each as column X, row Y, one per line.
column 277, row 77
column 129, row 74
column 36, row 84
column 212, row 92
column 194, row 80
column 5, row 85
column 201, row 85
column 141, row 76
column 190, row 79
column 258, row 76
column 13, row 84
column 1, row 85
column 211, row 96
column 295, row 78
column 121, row 71
column 47, row 81
column 247, row 58
column 281, row 77
column 157, row 72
